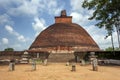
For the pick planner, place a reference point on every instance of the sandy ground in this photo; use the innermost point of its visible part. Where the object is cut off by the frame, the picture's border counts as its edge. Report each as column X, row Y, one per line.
column 59, row 71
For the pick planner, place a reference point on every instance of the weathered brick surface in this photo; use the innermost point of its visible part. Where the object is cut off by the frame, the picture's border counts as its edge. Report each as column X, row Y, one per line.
column 61, row 57
column 63, row 20
column 64, row 34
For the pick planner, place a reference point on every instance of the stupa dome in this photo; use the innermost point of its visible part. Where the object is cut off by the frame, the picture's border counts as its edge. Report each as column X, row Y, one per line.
column 64, row 35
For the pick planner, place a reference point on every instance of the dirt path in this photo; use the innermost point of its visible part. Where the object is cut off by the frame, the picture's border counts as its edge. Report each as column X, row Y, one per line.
column 58, row 71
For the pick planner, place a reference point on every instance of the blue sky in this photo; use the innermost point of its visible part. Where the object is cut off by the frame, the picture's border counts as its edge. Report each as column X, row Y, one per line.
column 22, row 20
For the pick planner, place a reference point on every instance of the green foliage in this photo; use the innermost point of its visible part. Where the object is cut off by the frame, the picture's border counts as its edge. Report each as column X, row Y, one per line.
column 9, row 49
column 111, row 49
column 109, row 55
column 117, row 49
column 107, row 12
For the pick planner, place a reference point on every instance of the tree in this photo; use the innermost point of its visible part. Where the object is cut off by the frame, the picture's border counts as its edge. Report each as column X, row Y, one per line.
column 106, row 12
column 117, row 49
column 9, row 49
column 118, row 31
column 111, row 49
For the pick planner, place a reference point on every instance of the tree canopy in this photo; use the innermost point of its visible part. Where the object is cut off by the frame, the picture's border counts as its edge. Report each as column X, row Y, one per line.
column 106, row 12
column 111, row 49
column 9, row 49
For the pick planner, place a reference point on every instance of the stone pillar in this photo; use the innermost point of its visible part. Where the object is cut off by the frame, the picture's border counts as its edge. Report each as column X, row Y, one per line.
column 94, row 61
column 38, row 55
column 95, row 64
column 33, row 65
column 92, row 56
column 73, row 67
column 76, row 60
column 11, row 66
column 45, row 62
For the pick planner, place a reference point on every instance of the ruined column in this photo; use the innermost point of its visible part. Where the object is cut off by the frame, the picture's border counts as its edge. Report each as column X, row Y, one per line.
column 11, row 65
column 45, row 62
column 94, row 61
column 95, row 64
column 73, row 67
column 33, row 65
column 38, row 55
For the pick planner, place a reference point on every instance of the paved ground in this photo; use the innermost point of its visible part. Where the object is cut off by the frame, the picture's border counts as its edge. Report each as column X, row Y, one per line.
column 58, row 71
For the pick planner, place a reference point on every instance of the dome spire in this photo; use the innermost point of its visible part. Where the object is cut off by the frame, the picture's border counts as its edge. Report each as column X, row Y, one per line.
column 63, row 13
column 63, row 18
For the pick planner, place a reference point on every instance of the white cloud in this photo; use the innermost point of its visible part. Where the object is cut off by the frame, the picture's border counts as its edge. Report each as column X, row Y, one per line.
column 8, row 3
column 26, row 7
column 5, row 41
column 76, row 5
column 79, row 18
column 53, row 7
column 80, row 15
column 20, row 37
column 9, row 29
column 30, row 7
column 5, row 19
column 38, row 25
column 76, row 16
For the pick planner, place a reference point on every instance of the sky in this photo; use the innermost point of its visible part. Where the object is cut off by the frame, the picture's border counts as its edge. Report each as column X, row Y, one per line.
column 22, row 20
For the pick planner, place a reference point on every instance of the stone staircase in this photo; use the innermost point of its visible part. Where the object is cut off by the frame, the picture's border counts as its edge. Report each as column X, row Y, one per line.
column 61, row 57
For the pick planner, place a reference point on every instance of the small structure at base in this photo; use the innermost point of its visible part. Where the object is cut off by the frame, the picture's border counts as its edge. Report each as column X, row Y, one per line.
column 25, row 58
